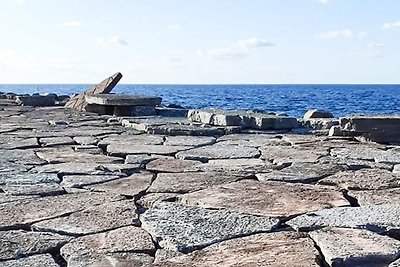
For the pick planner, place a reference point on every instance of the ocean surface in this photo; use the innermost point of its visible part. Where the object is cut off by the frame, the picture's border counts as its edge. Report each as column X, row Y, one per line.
column 293, row 100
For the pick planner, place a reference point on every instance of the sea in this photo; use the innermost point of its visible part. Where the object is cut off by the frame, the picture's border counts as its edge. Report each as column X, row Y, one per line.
column 293, row 100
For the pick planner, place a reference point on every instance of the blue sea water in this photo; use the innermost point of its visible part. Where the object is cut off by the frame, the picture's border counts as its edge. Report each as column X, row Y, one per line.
column 293, row 100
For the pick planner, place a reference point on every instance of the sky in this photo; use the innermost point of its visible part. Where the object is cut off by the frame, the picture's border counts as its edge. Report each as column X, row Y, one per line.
column 200, row 41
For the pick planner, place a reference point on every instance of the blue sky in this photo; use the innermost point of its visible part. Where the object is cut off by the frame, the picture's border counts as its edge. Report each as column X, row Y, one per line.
column 200, row 41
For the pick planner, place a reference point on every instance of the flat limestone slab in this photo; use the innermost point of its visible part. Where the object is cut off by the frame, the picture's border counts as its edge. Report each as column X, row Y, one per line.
column 376, row 218
column 358, row 152
column 33, row 189
column 33, row 210
column 364, row 179
column 71, row 156
column 122, row 100
column 301, row 172
column 32, row 261
column 237, row 166
column 18, row 243
column 169, row 164
column 79, row 181
column 189, row 182
column 271, row 249
column 141, row 139
column 56, row 141
column 282, row 155
column 355, row 247
column 87, row 250
column 271, row 199
column 92, row 220
column 218, row 151
column 123, row 149
column 110, row 259
column 189, row 140
column 376, row 197
column 183, row 228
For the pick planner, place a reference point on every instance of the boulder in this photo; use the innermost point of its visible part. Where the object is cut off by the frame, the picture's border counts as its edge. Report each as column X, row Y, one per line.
column 316, row 113
column 36, row 101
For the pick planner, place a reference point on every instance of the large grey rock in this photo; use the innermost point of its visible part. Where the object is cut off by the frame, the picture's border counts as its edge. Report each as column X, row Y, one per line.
column 123, row 149
column 316, row 113
column 301, row 172
column 272, row 249
column 376, row 218
column 218, row 151
column 86, row 140
column 92, row 220
column 169, row 164
column 355, row 247
column 268, row 199
column 365, row 179
column 215, row 117
column 32, row 261
column 19, row 243
column 183, row 228
column 100, row 249
column 122, row 100
column 36, row 100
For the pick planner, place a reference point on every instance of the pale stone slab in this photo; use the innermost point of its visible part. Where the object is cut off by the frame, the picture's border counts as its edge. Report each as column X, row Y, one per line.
column 79, row 181
column 26, row 178
column 47, row 189
column 376, row 197
column 92, row 220
column 357, row 152
column 282, row 155
column 18, row 143
column 395, row 263
column 71, row 156
column 141, row 139
column 254, row 140
column 266, row 198
column 132, row 186
column 189, row 182
column 148, row 200
column 376, row 218
column 139, row 159
column 122, row 100
column 129, row 239
column 36, row 100
column 316, row 113
column 354, row 164
column 355, row 247
column 32, row 261
column 267, row 249
column 56, row 141
column 183, row 228
column 364, row 179
column 237, row 166
column 179, row 129
column 86, row 140
column 189, row 140
column 88, row 149
column 123, row 149
column 301, row 172
column 19, row 243
column 218, row 151
column 169, row 164
column 115, row 259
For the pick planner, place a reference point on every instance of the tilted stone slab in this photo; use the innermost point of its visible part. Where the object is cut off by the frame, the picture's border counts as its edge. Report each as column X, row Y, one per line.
column 218, row 151
column 131, row 186
column 189, row 140
column 355, row 247
column 301, row 172
column 268, row 199
column 19, row 243
column 123, row 149
column 270, row 249
column 56, row 141
column 18, row 143
column 183, row 228
column 189, row 182
column 71, row 156
column 376, row 197
column 169, row 164
column 364, row 179
column 122, row 100
column 79, row 181
column 92, row 220
column 376, row 218
column 148, row 200
column 283, row 155
column 139, row 159
column 78, row 102
column 129, row 239
column 21, row 156
column 32, row 261
column 28, row 211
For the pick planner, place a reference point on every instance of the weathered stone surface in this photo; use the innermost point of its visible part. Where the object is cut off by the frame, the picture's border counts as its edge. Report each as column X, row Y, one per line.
column 391, row 156
column 376, row 197
column 395, row 263
column 269, row 122
column 185, row 130
column 189, row 182
column 148, row 200
column 139, row 159
column 269, row 199
column 131, row 186
column 171, row 112
column 253, row 140
column 88, row 149
column 18, row 243
column 272, row 249
column 354, row 164
column 5, row 198
column 355, row 247
column 29, row 211
column 20, row 156
column 218, row 151
column 127, row 239
column 396, row 169
column 123, row 149
column 15, row 177
column 123, row 259
column 32, row 261
column 238, row 166
column 283, row 155
column 56, row 141
column 92, row 220
column 142, row 139
column 71, row 156
column 357, row 152
column 78, row 102
column 169, row 164
column 189, row 140
column 86, row 140
column 335, row 131
column 376, row 218
column 79, row 181
column 215, row 117
column 315, row 113
column 301, row 172
column 33, row 189
column 122, row 100
column 321, row 123
column 184, row 228
column 18, row 143
column 165, row 254
column 365, row 179
column 36, row 100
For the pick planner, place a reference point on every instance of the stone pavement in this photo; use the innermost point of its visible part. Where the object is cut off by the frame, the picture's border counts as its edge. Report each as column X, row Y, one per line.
column 78, row 189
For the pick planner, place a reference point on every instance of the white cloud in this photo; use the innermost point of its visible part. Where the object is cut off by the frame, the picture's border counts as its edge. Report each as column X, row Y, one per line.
column 324, row 2
column 346, row 33
column 112, row 40
column 20, row 2
column 174, row 27
column 226, row 54
column 391, row 25
column 72, row 23
column 255, row 42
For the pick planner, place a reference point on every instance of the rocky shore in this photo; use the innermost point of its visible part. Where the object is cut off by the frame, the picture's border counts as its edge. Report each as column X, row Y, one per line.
column 195, row 188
